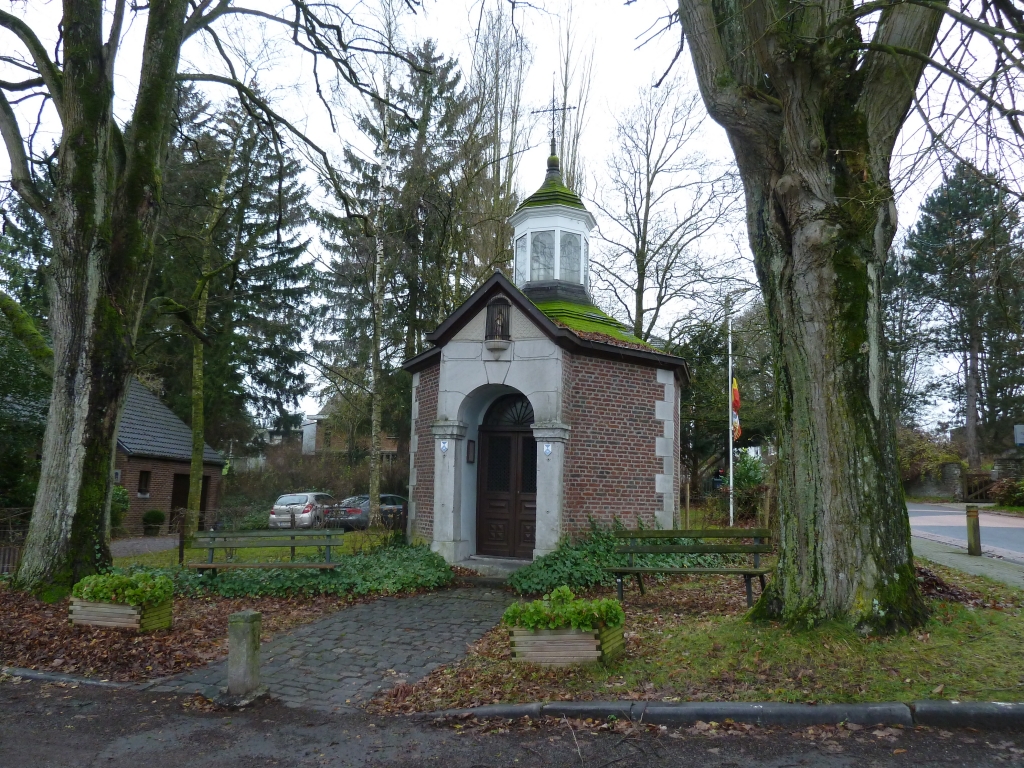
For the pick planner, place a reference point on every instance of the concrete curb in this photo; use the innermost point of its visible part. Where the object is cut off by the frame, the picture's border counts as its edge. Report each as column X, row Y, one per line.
column 983, row 715
column 56, row 677
column 944, row 714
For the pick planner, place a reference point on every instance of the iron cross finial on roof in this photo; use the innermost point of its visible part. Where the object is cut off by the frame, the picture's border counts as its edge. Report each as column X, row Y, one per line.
column 552, row 110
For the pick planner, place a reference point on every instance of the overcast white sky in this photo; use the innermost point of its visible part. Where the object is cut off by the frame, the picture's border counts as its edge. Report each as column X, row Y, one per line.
column 613, row 28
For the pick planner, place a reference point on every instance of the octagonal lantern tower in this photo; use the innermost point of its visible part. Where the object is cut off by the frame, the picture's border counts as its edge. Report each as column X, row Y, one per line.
column 552, row 241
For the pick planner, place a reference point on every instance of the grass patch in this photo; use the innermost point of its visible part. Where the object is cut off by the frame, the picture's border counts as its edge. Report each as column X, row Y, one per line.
column 1000, row 508
column 688, row 640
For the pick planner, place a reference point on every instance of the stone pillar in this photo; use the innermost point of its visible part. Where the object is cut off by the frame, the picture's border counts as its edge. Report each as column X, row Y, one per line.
column 449, row 458
column 664, row 449
column 551, row 437
column 244, row 652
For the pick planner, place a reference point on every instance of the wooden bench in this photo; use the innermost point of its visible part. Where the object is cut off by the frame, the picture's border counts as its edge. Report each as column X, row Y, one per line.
column 646, row 542
column 287, row 538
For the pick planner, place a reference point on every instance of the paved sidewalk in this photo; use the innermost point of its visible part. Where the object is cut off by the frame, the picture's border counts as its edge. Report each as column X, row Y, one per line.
column 344, row 659
column 1005, row 571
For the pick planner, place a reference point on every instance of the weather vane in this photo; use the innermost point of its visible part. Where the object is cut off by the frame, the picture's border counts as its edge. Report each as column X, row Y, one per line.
column 552, row 110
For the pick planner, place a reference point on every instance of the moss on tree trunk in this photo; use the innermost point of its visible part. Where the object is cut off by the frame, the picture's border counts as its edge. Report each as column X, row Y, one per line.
column 812, row 120
column 101, row 218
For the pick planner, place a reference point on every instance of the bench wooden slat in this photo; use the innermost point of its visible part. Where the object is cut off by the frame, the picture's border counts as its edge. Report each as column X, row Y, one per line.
column 261, row 543
column 268, row 532
column 718, row 571
column 695, row 549
column 697, row 533
column 219, row 566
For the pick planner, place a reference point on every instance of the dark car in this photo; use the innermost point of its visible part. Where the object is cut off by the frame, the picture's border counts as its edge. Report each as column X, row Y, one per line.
column 353, row 513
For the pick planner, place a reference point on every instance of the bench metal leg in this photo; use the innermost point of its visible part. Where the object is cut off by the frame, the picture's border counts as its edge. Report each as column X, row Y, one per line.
column 618, row 585
column 750, row 592
column 640, row 583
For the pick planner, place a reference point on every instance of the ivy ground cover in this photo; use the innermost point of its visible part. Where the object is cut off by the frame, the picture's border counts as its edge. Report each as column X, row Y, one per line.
column 688, row 640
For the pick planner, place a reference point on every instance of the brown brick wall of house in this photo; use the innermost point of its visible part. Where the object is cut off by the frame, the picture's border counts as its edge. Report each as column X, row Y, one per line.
column 610, row 460
column 162, row 472
column 423, row 460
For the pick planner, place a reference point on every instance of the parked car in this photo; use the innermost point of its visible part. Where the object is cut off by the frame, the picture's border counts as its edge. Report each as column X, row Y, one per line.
column 307, row 510
column 353, row 513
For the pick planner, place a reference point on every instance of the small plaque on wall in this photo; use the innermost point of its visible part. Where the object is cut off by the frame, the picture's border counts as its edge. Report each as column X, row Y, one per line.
column 470, row 451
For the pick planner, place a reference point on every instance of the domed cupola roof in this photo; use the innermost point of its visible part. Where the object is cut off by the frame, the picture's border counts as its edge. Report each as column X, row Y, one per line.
column 553, row 191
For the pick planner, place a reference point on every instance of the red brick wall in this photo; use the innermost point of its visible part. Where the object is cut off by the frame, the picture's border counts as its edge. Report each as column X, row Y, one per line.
column 161, row 482
column 423, row 460
column 610, row 460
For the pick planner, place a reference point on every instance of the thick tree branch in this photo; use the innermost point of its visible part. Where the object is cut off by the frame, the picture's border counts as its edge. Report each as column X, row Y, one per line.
column 737, row 105
column 24, row 329
column 47, row 69
column 21, row 175
column 892, row 68
column 114, row 41
column 24, row 85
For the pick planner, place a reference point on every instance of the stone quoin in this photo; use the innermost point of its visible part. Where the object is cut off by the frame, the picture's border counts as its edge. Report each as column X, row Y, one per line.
column 534, row 412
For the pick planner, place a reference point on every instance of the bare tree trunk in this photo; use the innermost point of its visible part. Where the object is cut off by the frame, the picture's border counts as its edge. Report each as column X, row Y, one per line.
column 202, row 296
column 971, row 382
column 375, row 399
column 101, row 218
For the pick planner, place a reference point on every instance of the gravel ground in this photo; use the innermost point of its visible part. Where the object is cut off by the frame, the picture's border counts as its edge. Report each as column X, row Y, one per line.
column 140, row 545
column 43, row 725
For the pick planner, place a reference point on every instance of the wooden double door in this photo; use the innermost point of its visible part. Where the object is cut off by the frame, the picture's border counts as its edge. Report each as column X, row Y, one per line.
column 506, row 521
column 506, row 505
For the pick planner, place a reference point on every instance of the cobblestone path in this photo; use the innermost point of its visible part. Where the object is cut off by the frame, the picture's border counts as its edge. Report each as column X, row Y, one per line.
column 345, row 658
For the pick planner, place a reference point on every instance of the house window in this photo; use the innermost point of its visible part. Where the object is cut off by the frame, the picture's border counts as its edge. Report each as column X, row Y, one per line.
column 144, row 477
column 498, row 319
column 570, row 257
column 542, row 255
column 117, row 476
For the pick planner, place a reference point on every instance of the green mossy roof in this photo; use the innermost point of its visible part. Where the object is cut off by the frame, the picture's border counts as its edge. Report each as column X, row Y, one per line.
column 586, row 319
column 553, row 191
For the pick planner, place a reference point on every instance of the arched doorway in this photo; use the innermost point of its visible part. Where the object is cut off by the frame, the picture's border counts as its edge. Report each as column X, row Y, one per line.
column 506, row 509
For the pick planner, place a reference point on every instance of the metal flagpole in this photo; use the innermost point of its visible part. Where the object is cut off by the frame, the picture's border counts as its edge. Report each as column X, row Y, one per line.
column 729, row 393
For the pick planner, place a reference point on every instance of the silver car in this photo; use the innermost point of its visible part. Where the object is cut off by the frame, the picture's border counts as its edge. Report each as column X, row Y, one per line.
column 300, row 510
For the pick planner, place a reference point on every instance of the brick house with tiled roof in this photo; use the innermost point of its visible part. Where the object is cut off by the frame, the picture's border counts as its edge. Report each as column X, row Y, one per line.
column 534, row 412
column 153, row 459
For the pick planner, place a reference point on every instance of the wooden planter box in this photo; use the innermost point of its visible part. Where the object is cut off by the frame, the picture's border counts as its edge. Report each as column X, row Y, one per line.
column 566, row 646
column 144, row 619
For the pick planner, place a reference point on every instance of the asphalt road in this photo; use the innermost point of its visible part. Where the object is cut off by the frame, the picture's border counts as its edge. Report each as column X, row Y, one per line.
column 44, row 725
column 950, row 521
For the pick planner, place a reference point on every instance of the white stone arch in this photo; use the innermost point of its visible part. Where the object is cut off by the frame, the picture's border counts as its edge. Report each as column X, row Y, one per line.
column 471, row 413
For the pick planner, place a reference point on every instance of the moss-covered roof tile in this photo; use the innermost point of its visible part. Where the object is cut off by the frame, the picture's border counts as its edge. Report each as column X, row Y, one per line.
column 589, row 322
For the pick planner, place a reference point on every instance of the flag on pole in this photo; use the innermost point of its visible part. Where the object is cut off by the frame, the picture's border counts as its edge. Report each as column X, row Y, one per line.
column 736, row 431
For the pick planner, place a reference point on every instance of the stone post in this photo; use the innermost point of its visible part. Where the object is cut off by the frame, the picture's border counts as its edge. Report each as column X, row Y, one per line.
column 551, row 438
column 244, row 652
column 973, row 531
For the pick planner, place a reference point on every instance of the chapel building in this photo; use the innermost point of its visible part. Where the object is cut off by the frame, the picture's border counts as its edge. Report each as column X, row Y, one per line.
column 535, row 413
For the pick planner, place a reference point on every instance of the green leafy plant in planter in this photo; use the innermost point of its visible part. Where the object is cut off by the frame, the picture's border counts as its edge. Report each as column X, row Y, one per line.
column 561, row 629
column 562, row 610
column 152, row 519
column 127, row 588
column 139, row 601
